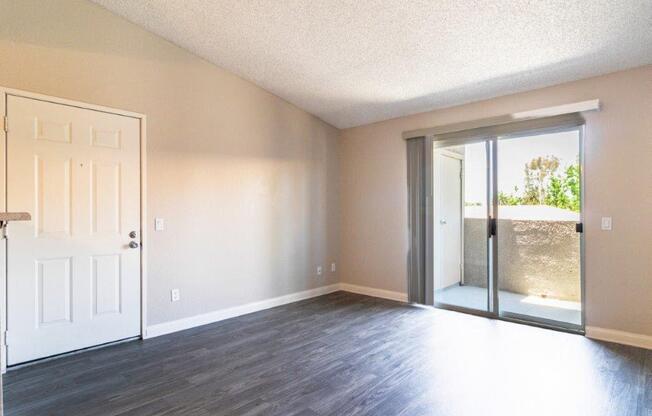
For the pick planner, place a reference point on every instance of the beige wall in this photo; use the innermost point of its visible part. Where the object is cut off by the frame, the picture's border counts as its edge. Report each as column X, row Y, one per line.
column 246, row 182
column 373, row 233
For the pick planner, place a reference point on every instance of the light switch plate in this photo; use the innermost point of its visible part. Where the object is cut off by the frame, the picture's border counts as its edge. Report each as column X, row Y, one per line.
column 159, row 224
column 606, row 223
column 175, row 295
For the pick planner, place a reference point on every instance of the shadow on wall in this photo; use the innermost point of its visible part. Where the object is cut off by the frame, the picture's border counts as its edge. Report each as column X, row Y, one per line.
column 539, row 258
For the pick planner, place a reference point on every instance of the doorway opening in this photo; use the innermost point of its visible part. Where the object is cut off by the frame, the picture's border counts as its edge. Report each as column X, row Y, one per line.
column 508, row 227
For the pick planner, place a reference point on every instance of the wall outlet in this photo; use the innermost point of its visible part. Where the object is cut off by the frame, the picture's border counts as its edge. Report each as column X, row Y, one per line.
column 333, row 268
column 319, row 270
column 159, row 224
column 175, row 295
column 606, row 223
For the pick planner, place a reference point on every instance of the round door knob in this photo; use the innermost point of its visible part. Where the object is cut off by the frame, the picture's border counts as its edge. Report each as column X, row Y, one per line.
column 133, row 244
column 442, row 221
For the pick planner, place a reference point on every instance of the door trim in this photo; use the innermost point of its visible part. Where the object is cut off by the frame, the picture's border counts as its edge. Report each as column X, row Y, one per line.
column 4, row 93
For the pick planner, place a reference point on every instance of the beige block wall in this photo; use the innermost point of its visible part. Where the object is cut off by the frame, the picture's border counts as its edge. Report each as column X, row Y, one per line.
column 246, row 182
column 618, row 153
column 540, row 258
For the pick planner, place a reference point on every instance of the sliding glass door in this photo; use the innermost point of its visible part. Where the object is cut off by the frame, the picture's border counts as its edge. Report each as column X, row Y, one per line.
column 507, row 227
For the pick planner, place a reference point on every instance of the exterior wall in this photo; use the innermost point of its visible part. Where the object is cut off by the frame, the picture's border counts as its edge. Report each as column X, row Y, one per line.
column 618, row 152
column 475, row 252
column 246, row 182
column 536, row 257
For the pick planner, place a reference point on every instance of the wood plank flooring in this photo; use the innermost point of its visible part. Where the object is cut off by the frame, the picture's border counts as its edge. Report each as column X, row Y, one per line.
column 343, row 354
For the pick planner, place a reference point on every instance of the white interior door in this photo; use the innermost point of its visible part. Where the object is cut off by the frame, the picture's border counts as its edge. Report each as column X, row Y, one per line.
column 448, row 221
column 72, row 279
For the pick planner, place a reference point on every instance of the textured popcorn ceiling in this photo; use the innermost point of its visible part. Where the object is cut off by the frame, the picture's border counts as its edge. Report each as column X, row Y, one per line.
column 359, row 61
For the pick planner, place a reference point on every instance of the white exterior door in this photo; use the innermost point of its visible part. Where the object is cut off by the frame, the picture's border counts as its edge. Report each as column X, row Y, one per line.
column 72, row 279
column 448, row 221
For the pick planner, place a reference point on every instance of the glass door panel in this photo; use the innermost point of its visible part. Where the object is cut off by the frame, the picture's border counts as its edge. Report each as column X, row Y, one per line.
column 538, row 246
column 460, row 220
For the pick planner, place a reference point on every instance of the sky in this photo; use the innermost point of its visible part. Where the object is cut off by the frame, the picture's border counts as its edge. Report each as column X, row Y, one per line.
column 513, row 154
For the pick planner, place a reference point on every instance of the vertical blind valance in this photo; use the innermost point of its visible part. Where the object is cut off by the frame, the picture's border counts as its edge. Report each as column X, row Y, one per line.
column 498, row 126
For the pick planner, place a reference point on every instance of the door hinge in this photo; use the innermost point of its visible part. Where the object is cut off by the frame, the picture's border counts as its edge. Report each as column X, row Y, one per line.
column 579, row 227
column 6, row 124
column 5, row 338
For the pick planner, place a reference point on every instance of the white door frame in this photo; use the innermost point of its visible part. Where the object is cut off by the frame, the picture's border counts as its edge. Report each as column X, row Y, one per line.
column 4, row 93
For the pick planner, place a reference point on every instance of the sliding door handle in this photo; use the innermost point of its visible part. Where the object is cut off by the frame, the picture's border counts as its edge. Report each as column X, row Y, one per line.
column 491, row 227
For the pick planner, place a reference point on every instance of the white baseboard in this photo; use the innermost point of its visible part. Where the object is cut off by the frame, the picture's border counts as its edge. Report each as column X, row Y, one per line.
column 619, row 337
column 603, row 334
column 222, row 314
column 370, row 291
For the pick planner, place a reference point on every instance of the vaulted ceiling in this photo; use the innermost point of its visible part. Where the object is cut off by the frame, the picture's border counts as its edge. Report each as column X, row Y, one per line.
column 353, row 62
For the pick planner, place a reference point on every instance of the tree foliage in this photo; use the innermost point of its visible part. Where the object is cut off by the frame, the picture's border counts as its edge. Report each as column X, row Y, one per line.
column 544, row 186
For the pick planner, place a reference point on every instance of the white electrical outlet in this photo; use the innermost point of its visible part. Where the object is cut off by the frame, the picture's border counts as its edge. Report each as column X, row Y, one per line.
column 175, row 295
column 159, row 224
column 319, row 270
column 333, row 268
column 606, row 223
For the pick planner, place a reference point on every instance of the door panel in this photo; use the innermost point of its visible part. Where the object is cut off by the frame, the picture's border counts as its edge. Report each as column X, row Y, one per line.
column 105, row 198
column 106, row 284
column 54, row 283
column 53, row 195
column 72, row 280
column 538, row 260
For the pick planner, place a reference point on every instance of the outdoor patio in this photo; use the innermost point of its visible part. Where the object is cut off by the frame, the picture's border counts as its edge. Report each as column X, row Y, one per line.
column 538, row 263
column 474, row 297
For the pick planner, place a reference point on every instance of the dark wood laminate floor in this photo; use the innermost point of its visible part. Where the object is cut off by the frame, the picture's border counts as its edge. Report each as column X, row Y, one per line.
column 344, row 354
